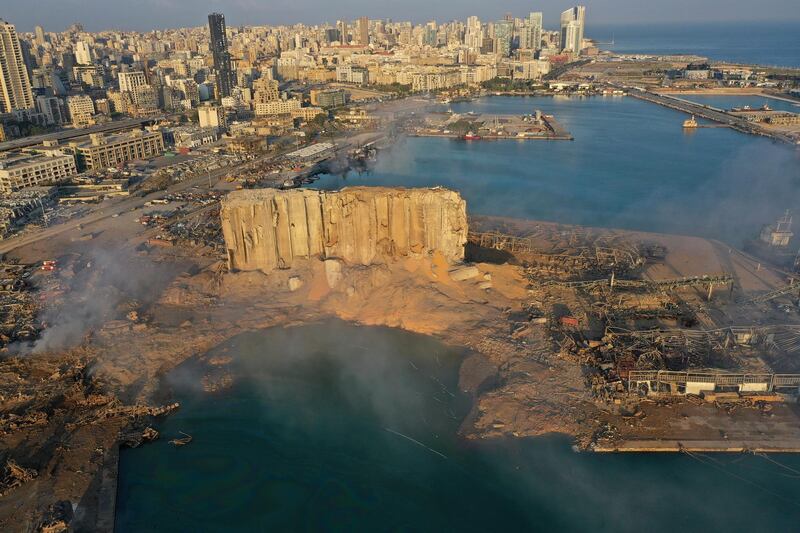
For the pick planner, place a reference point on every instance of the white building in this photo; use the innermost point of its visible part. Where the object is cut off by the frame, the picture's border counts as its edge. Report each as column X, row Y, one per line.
column 351, row 74
column 211, row 116
column 278, row 107
column 572, row 26
column 129, row 81
column 81, row 109
column 192, row 137
column 530, row 70
column 83, row 54
column 104, row 151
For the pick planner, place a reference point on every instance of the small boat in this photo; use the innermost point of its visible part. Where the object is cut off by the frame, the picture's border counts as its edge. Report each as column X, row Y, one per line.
column 183, row 441
column 690, row 123
column 470, row 136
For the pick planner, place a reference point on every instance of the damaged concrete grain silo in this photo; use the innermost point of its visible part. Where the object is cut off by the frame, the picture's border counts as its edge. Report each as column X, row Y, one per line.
column 266, row 229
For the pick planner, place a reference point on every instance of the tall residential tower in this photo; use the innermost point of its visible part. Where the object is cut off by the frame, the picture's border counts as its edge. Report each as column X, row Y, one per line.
column 503, row 33
column 15, row 86
column 362, row 33
column 572, row 25
column 531, row 32
column 222, row 58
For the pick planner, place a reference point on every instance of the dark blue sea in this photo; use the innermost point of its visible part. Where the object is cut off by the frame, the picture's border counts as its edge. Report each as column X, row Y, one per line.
column 760, row 43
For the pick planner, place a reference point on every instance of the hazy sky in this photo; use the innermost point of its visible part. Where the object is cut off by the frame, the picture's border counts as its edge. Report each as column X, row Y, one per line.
column 55, row 15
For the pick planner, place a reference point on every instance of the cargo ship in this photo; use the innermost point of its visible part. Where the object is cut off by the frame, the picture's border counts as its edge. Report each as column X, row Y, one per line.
column 470, row 136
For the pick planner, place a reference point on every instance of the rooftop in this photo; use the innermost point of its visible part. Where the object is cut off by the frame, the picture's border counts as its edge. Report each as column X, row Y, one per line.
column 16, row 159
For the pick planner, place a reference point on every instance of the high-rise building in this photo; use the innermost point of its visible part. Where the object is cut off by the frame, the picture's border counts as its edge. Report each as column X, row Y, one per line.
column 219, row 51
column 331, row 35
column 531, row 35
column 503, row 32
column 15, row 84
column 53, row 108
column 429, row 36
column 473, row 38
column 342, row 31
column 363, row 31
column 129, row 81
column 39, row 31
column 572, row 26
column 81, row 109
column 83, row 54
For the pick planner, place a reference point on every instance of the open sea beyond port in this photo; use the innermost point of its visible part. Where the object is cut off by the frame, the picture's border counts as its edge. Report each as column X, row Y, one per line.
column 752, row 42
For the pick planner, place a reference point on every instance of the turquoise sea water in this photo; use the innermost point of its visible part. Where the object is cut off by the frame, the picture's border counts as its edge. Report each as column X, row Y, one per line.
column 631, row 166
column 338, row 428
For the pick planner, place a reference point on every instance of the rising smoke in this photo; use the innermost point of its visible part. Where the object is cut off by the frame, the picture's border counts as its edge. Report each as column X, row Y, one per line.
column 100, row 285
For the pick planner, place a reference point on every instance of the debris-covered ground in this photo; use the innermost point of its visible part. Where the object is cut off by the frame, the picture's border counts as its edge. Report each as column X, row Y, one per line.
column 546, row 328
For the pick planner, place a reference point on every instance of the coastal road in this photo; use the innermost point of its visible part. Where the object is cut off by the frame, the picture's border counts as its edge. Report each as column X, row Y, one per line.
column 105, row 212
column 63, row 135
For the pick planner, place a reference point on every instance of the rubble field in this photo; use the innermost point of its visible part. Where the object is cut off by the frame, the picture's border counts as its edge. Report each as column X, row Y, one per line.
column 557, row 319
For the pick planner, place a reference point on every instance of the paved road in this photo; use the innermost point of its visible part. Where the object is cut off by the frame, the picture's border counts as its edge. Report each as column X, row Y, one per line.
column 133, row 202
column 78, row 132
column 107, row 211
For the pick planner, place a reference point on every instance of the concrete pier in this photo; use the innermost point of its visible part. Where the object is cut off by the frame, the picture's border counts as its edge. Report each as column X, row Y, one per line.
column 709, row 113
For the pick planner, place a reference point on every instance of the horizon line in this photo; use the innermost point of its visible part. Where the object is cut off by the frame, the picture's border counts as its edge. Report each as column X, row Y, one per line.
column 715, row 22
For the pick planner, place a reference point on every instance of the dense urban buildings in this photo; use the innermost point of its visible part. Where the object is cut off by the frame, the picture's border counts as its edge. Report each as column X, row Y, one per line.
column 243, row 87
column 81, row 78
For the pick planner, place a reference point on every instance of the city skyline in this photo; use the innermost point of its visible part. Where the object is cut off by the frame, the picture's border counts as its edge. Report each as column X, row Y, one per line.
column 95, row 15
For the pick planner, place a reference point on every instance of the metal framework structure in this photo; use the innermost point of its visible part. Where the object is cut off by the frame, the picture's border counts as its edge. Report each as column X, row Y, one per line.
column 772, row 381
column 762, row 298
column 666, row 285
column 695, row 347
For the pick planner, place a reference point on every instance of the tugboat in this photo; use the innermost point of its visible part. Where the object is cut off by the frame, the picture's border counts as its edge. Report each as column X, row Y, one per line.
column 471, row 136
column 690, row 123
